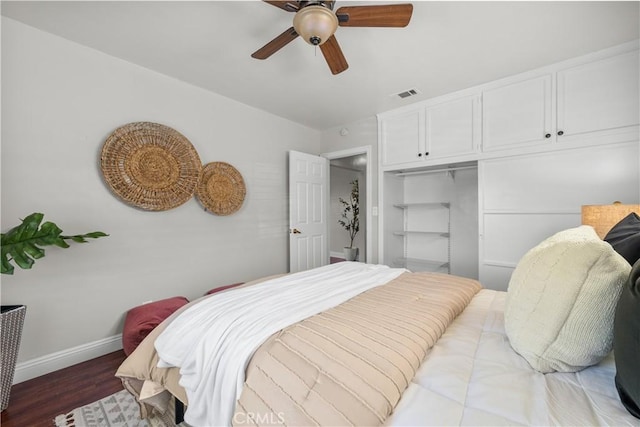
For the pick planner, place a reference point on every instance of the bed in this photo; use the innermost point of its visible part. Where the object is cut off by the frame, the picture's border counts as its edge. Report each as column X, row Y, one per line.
column 473, row 377
column 415, row 349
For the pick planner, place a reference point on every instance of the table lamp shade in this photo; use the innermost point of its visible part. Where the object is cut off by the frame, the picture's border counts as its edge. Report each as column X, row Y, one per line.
column 603, row 217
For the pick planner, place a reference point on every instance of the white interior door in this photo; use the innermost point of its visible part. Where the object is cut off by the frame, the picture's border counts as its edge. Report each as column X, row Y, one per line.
column 308, row 182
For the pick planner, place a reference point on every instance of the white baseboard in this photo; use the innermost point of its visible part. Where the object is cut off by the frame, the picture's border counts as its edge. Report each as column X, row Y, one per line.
column 62, row 359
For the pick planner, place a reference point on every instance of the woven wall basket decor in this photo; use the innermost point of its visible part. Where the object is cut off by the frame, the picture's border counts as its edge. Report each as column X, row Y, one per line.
column 221, row 189
column 150, row 166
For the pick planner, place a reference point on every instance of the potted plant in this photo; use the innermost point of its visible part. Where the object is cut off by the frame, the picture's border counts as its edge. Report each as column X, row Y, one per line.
column 23, row 245
column 350, row 219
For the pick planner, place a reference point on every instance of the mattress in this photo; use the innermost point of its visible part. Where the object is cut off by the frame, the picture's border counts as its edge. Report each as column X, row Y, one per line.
column 472, row 376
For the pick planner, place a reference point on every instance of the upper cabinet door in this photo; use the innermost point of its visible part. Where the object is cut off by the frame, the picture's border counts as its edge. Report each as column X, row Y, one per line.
column 402, row 137
column 518, row 114
column 599, row 96
column 453, row 128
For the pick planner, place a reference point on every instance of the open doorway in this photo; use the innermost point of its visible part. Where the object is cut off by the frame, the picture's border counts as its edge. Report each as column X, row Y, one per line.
column 344, row 168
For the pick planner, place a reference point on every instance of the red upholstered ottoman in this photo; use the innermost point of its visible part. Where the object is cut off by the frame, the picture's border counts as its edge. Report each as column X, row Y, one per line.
column 141, row 320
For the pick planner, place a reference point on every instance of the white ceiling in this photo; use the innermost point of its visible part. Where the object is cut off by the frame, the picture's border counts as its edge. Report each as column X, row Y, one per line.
column 446, row 47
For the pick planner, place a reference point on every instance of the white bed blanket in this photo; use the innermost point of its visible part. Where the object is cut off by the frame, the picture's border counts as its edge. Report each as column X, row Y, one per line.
column 213, row 341
column 473, row 377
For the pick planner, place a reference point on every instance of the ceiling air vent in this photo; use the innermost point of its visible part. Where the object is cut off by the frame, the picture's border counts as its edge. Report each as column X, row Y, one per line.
column 407, row 93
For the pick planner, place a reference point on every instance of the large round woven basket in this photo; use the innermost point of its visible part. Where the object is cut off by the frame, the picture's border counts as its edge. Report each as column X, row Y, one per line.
column 150, row 166
column 221, row 189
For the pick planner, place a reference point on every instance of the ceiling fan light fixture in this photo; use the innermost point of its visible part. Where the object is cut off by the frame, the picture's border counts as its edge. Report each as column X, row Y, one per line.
column 315, row 24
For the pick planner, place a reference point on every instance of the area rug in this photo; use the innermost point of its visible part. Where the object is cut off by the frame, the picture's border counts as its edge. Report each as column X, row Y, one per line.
column 118, row 410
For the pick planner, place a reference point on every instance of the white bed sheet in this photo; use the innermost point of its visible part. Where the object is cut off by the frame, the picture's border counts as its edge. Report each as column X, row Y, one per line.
column 473, row 377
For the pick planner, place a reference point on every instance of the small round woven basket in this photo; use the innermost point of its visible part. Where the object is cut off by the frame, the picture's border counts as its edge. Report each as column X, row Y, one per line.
column 150, row 166
column 221, row 189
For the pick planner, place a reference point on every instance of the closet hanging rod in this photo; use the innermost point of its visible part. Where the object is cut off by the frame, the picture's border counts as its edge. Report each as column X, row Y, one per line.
column 435, row 171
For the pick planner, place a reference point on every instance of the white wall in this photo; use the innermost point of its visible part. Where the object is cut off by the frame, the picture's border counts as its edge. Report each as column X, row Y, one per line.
column 60, row 101
column 360, row 134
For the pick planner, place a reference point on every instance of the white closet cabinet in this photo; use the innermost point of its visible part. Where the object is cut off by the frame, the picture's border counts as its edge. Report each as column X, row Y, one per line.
column 589, row 100
column 402, row 137
column 430, row 131
column 527, row 198
column 599, row 97
column 453, row 127
column 596, row 100
column 517, row 114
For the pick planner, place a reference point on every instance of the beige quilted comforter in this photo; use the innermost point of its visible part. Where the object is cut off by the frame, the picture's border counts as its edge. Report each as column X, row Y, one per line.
column 346, row 366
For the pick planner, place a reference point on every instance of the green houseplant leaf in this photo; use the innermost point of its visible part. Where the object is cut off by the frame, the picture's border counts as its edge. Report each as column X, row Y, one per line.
column 23, row 243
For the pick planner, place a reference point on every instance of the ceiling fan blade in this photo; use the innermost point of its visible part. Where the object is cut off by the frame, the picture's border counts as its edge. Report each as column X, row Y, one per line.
column 333, row 54
column 391, row 15
column 289, row 6
column 276, row 44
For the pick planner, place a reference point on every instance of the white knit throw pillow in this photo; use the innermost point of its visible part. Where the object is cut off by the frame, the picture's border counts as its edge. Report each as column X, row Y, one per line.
column 561, row 301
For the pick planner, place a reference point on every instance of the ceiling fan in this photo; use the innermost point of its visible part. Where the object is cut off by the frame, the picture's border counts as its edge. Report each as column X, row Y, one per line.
column 316, row 23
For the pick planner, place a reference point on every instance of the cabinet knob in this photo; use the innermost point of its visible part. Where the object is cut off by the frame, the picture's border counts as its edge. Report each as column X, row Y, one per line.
column 426, row 154
column 548, row 135
column 560, row 132
column 419, row 154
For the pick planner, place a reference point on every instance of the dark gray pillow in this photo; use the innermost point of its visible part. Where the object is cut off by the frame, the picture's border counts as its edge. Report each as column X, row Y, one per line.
column 626, row 343
column 625, row 237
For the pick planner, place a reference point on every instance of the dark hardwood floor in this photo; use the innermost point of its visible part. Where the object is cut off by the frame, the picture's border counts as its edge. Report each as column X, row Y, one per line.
column 36, row 402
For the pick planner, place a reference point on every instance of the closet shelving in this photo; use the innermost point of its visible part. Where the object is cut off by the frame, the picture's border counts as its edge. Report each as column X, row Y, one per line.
column 410, row 231
column 427, row 265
